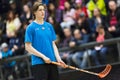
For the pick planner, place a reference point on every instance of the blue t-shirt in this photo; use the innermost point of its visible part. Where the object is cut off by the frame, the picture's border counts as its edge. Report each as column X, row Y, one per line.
column 6, row 55
column 41, row 37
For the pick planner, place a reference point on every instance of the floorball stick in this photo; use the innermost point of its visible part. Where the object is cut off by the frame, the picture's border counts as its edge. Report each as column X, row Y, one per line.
column 102, row 74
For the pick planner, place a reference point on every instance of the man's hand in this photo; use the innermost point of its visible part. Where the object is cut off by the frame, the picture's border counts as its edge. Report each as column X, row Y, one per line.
column 112, row 29
column 109, row 29
column 62, row 64
column 72, row 44
column 47, row 60
column 84, row 31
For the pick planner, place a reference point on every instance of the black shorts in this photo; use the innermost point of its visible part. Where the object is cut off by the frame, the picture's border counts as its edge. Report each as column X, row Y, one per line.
column 45, row 72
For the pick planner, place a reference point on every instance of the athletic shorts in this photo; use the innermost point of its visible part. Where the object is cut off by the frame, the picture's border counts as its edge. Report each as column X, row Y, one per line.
column 45, row 72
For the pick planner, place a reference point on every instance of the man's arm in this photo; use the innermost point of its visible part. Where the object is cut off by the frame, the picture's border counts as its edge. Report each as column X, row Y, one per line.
column 58, row 56
column 32, row 50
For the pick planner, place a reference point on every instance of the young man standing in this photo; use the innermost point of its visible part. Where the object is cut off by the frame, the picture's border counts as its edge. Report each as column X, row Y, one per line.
column 39, row 40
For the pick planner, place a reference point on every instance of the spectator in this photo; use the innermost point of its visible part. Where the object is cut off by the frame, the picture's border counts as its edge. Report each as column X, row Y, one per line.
column 8, row 67
column 84, row 27
column 13, row 24
column 92, row 4
column 55, row 12
column 113, row 19
column 55, row 2
column 77, row 57
column 78, row 38
column 27, row 14
column 80, row 9
column 68, row 19
column 17, row 41
column 100, row 50
column 68, row 38
column 16, row 6
column 96, row 20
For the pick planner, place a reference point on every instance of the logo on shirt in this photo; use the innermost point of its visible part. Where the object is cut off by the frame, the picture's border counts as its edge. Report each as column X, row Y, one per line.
column 43, row 28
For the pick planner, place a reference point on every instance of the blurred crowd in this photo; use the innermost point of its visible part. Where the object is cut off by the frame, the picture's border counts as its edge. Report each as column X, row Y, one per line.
column 75, row 22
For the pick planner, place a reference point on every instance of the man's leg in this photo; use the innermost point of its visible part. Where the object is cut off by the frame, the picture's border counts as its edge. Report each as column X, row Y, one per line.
column 40, row 72
column 53, row 72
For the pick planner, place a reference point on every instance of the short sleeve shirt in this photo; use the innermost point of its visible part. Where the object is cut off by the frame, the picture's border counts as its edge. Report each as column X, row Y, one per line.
column 41, row 37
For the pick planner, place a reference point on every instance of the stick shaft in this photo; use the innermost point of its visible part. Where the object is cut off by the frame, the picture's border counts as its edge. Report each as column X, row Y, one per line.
column 74, row 68
column 82, row 70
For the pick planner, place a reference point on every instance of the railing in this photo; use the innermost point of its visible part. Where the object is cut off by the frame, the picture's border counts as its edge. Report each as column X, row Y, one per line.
column 83, row 46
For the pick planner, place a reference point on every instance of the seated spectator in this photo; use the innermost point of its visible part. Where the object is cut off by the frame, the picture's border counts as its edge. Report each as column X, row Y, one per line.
column 68, row 18
column 68, row 37
column 96, row 20
column 92, row 4
column 84, row 27
column 78, row 38
column 16, row 6
column 17, row 41
column 9, row 66
column 65, row 43
column 12, row 25
column 55, row 12
column 26, row 15
column 80, row 9
column 99, row 52
column 113, row 19
column 5, row 51
column 77, row 57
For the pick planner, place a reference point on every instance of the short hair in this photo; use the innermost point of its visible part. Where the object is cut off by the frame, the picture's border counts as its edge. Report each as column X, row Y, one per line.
column 113, row 1
column 36, row 6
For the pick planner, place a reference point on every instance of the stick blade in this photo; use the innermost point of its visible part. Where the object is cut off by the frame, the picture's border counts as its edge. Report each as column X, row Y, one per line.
column 105, row 72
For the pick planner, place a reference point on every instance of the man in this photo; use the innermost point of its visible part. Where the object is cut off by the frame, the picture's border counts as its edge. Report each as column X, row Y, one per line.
column 39, row 41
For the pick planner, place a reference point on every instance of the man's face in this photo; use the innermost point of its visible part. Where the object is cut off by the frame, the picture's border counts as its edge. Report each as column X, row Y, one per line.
column 112, row 5
column 67, row 32
column 77, row 34
column 40, row 13
column 25, row 8
column 5, row 49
